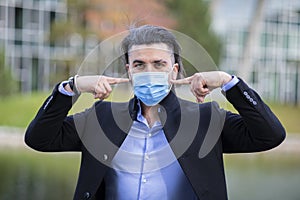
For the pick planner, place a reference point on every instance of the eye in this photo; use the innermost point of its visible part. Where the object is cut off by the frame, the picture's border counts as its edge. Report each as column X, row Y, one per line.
column 139, row 66
column 159, row 64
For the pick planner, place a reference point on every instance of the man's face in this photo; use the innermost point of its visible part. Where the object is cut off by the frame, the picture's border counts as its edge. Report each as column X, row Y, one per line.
column 151, row 58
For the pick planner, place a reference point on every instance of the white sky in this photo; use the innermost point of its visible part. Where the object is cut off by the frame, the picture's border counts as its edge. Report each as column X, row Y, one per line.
column 239, row 12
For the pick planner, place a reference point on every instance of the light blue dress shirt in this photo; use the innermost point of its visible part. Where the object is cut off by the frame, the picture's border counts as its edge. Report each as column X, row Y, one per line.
column 146, row 168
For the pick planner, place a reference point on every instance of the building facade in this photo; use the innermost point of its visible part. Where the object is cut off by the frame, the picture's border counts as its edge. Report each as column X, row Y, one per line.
column 24, row 31
column 275, row 60
column 37, row 63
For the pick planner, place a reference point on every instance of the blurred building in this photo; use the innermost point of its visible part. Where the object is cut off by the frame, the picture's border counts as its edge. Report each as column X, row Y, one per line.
column 274, row 60
column 24, row 32
column 25, row 27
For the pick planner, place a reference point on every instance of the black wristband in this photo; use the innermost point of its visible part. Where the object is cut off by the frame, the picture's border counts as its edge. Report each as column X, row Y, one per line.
column 71, row 83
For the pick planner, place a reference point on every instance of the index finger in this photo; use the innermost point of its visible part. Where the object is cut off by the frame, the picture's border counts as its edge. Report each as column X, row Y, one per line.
column 184, row 81
column 113, row 81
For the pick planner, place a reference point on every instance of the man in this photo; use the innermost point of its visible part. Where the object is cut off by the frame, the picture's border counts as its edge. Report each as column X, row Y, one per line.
column 156, row 146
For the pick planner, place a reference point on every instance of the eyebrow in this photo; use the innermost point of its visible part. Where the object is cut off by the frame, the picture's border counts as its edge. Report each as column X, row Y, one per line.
column 138, row 61
column 159, row 61
column 155, row 61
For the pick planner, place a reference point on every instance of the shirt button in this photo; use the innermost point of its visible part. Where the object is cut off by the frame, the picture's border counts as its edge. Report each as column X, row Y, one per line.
column 149, row 135
column 147, row 157
column 144, row 180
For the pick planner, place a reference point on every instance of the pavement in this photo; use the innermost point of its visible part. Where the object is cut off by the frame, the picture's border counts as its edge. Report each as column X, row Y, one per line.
column 11, row 137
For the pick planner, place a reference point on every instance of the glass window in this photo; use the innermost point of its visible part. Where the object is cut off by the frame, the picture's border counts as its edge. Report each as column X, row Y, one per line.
column 18, row 18
column 35, row 74
column 52, row 16
column 263, row 40
column 284, row 41
column 18, row 37
column 11, row 17
column 2, row 13
column 35, row 16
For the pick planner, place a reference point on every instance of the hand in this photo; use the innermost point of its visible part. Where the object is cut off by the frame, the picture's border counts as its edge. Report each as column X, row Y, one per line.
column 203, row 83
column 99, row 86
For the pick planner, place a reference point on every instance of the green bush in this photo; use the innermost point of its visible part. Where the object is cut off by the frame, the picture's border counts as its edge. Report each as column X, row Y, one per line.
column 8, row 85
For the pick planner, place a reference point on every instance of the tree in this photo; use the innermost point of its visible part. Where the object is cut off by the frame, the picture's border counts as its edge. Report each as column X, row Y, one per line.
column 100, row 19
column 8, row 85
column 193, row 19
column 69, row 32
column 111, row 17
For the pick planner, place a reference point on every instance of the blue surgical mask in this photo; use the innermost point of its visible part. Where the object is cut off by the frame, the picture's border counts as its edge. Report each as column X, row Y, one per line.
column 151, row 87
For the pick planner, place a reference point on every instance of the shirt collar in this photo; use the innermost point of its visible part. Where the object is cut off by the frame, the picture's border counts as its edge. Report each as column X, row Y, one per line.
column 141, row 118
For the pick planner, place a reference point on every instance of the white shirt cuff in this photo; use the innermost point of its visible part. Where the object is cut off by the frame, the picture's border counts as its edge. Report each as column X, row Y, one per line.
column 230, row 84
column 62, row 89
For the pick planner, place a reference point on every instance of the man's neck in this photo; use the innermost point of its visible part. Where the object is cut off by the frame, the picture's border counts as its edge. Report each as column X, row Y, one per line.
column 150, row 113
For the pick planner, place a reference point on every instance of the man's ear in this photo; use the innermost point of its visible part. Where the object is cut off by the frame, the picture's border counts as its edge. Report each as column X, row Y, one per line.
column 175, row 71
column 128, row 71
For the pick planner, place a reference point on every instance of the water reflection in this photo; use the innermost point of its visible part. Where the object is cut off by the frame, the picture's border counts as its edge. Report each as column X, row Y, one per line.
column 25, row 174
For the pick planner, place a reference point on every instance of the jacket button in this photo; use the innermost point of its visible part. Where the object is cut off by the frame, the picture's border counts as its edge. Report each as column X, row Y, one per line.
column 105, row 157
column 86, row 195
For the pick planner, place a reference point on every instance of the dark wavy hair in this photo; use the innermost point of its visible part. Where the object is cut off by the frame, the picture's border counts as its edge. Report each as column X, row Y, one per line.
column 149, row 34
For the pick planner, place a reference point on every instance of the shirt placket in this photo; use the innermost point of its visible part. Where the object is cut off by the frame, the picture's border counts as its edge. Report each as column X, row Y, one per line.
column 144, row 177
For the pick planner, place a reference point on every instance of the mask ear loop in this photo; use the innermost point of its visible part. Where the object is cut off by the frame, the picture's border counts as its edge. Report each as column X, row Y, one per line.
column 168, row 74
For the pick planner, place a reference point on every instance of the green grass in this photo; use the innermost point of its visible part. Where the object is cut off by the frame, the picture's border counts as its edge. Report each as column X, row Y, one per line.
column 19, row 110
column 287, row 114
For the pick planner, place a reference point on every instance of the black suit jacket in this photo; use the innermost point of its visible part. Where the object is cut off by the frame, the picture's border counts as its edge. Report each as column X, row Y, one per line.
column 198, row 134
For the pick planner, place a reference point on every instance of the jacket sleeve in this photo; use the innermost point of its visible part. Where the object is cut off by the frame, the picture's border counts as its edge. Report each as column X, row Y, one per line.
column 51, row 129
column 255, row 128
